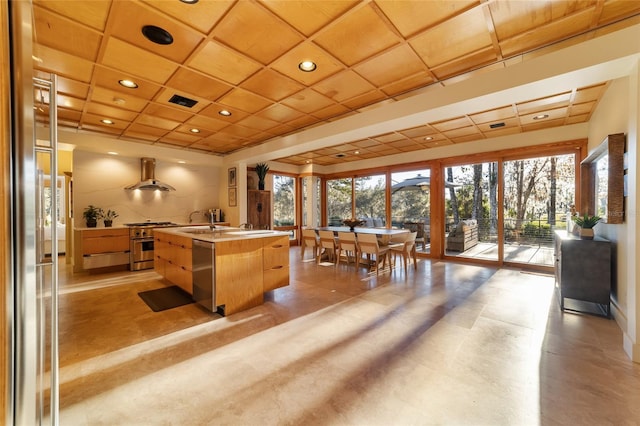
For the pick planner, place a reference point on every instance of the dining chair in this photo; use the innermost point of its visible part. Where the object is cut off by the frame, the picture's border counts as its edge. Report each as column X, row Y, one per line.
column 347, row 243
column 309, row 239
column 368, row 244
column 406, row 249
column 418, row 227
column 328, row 245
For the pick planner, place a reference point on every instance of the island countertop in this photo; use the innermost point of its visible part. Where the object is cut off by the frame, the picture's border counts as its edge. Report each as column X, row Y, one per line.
column 221, row 233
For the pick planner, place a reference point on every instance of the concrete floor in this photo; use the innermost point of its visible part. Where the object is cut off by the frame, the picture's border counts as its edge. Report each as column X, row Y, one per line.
column 446, row 344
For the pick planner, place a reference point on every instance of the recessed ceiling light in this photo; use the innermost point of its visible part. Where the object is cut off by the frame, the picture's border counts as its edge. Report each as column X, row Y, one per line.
column 119, row 101
column 307, row 66
column 106, row 121
column 182, row 161
column 128, row 83
column 541, row 116
column 112, row 153
column 341, row 155
column 356, row 152
column 308, row 161
column 195, row 130
column 428, row 138
column 224, row 112
column 189, row 1
column 157, row 35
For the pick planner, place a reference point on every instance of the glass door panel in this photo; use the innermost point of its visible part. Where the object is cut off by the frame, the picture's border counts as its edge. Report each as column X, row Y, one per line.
column 339, row 196
column 370, row 200
column 410, row 205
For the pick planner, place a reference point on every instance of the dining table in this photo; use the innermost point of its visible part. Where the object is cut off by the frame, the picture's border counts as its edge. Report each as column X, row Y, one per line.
column 384, row 234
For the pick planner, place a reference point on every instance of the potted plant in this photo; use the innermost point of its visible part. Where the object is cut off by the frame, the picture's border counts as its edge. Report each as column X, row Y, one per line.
column 91, row 215
column 586, row 224
column 261, row 171
column 108, row 217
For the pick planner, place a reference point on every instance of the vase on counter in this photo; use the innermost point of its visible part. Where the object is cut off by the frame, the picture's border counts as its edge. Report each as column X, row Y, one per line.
column 108, row 223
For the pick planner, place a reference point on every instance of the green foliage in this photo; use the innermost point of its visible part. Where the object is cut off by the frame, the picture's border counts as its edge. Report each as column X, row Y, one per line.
column 109, row 215
column 261, row 171
column 586, row 221
column 537, row 230
column 92, row 213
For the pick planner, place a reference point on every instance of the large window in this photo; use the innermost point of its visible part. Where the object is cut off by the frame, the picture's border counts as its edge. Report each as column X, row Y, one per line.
column 410, row 204
column 339, row 193
column 471, row 210
column 283, row 201
column 538, row 192
column 370, row 200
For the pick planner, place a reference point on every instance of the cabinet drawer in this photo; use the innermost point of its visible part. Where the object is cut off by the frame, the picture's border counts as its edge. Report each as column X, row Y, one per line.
column 276, row 253
column 180, row 276
column 105, row 244
column 276, row 277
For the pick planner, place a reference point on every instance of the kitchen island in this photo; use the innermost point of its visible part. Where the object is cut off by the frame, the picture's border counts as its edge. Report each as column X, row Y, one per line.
column 241, row 267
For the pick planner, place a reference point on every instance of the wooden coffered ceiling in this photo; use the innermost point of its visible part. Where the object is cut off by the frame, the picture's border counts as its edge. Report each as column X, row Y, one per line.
column 243, row 56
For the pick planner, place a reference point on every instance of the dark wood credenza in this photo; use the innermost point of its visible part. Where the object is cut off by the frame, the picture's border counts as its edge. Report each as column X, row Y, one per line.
column 583, row 273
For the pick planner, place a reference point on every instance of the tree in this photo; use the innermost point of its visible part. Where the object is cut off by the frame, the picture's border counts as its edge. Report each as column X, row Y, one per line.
column 453, row 197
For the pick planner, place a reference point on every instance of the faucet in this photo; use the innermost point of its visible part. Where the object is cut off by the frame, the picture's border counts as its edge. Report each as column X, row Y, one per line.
column 191, row 215
column 246, row 226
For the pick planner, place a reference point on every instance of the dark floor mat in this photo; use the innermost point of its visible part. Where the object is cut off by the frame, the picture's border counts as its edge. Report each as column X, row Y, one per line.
column 165, row 298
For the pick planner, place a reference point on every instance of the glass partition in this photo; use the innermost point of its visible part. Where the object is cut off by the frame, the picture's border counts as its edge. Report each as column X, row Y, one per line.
column 410, row 205
column 370, row 200
column 339, row 196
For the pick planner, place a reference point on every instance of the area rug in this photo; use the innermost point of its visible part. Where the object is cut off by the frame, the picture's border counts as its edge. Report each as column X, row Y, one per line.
column 165, row 298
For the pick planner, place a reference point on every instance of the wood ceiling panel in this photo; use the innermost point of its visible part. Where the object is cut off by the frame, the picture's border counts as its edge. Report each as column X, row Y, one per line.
column 463, row 134
column 418, row 132
column 244, row 100
column 128, row 19
column 455, row 38
column 118, row 99
column 288, row 64
column 544, row 124
column 189, row 81
column 147, row 130
column 357, row 36
column 589, row 94
column 213, row 111
column 109, row 78
column 503, row 131
column 140, row 135
column 101, row 129
column 272, row 85
column 542, row 104
column 70, row 102
column 307, row 101
column 202, row 15
column 366, row 143
column 452, row 124
column 280, row 113
column 259, row 123
column 493, row 115
column 309, row 16
column 106, row 111
column 508, row 123
column 201, row 122
column 583, row 108
column 616, row 9
column 223, row 63
column 365, row 100
column 134, row 60
column 168, row 112
column 335, row 110
column 161, row 123
column 547, row 34
column 93, row 13
column 388, row 137
column 259, row 43
column 69, row 115
column 577, row 119
column 553, row 114
column 59, row 33
column 72, row 88
column 393, row 65
column 473, row 59
column 404, row 15
column 343, row 86
column 187, row 133
column 64, row 64
column 95, row 120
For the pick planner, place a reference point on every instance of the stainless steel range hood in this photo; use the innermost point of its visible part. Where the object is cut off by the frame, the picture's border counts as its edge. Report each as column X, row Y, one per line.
column 148, row 179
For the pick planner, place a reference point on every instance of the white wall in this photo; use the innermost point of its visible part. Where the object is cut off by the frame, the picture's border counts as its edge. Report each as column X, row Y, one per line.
column 617, row 112
column 100, row 179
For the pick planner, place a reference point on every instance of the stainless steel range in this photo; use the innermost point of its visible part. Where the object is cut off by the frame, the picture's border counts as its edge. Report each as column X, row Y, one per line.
column 141, row 243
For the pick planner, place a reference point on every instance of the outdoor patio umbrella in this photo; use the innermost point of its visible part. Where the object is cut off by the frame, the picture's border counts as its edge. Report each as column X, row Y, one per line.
column 417, row 183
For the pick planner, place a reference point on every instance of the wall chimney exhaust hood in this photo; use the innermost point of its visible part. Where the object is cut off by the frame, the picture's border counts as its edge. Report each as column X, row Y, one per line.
column 147, row 177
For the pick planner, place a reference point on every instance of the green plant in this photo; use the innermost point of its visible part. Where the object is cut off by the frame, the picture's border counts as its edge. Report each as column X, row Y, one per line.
column 109, row 215
column 586, row 221
column 261, row 171
column 92, row 213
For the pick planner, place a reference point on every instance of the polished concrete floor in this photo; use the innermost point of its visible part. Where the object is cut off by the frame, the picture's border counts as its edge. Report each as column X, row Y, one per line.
column 448, row 344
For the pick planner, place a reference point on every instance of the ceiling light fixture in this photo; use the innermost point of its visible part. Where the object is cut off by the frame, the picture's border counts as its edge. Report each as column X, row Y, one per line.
column 189, row 1
column 541, row 116
column 195, row 130
column 428, row 138
column 128, row 83
column 106, row 121
column 112, row 153
column 225, row 113
column 307, row 66
column 157, row 35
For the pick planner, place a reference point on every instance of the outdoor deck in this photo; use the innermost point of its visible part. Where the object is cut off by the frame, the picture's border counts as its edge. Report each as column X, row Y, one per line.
column 535, row 254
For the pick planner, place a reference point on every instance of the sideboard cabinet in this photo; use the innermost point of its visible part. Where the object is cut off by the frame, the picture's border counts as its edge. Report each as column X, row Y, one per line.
column 583, row 272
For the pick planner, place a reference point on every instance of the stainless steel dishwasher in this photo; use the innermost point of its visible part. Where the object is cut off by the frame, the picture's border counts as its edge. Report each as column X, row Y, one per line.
column 204, row 274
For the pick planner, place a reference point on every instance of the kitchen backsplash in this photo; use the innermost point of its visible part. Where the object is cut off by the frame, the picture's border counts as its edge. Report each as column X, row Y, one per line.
column 100, row 180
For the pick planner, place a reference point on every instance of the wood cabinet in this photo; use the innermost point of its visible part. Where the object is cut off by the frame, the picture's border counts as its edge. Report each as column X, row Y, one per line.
column 172, row 259
column 583, row 273
column 275, row 260
column 103, row 247
column 259, row 209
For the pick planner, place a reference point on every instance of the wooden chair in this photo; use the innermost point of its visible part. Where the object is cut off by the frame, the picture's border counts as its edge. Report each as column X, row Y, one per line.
column 368, row 244
column 407, row 249
column 418, row 227
column 347, row 243
column 328, row 245
column 309, row 239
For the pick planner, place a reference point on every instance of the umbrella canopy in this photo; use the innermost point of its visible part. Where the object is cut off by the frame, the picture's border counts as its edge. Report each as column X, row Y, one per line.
column 417, row 183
